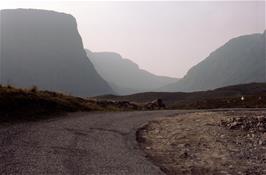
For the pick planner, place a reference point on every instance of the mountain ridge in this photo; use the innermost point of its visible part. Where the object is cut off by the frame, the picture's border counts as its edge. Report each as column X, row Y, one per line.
column 44, row 48
column 124, row 75
column 240, row 60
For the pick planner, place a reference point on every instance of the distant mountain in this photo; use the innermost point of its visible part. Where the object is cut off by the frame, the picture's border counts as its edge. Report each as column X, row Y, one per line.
column 43, row 48
column 125, row 76
column 241, row 60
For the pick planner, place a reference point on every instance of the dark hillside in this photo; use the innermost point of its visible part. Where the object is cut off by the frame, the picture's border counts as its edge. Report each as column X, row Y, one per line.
column 43, row 48
column 254, row 96
column 241, row 60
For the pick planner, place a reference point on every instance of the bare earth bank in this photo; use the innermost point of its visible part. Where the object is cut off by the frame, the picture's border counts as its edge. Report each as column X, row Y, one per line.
column 208, row 143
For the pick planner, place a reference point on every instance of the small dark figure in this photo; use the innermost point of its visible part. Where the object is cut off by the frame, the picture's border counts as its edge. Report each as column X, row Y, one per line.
column 160, row 103
column 156, row 104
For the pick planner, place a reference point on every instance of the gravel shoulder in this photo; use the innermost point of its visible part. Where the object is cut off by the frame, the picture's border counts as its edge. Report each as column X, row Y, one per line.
column 208, row 143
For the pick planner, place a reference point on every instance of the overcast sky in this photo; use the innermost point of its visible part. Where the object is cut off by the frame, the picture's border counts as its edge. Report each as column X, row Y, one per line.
column 165, row 38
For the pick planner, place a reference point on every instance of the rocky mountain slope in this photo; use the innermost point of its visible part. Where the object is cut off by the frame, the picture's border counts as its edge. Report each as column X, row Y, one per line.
column 44, row 49
column 241, row 60
column 125, row 76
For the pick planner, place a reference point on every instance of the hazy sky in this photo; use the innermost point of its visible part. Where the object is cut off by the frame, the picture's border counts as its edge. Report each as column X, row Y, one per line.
column 165, row 38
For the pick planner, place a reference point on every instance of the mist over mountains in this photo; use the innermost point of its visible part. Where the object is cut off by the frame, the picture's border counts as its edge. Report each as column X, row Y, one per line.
column 44, row 49
column 241, row 60
column 125, row 76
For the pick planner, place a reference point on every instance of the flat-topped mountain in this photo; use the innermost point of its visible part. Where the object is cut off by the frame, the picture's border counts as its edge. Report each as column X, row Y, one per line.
column 125, row 76
column 44, row 49
column 241, row 60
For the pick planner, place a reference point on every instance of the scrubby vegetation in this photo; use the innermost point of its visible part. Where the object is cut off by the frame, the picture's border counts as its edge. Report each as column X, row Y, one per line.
column 29, row 103
column 21, row 104
column 239, row 96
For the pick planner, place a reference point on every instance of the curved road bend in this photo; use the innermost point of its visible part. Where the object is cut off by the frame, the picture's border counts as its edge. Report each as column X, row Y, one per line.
column 80, row 143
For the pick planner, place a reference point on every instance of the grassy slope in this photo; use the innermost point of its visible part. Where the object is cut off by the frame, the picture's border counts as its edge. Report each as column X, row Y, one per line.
column 26, row 103
column 29, row 103
column 254, row 93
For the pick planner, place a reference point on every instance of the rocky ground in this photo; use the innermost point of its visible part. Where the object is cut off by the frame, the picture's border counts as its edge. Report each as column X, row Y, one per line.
column 208, row 143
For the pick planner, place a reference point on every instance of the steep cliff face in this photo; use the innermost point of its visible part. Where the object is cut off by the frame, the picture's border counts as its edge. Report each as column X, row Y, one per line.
column 241, row 60
column 43, row 48
column 125, row 76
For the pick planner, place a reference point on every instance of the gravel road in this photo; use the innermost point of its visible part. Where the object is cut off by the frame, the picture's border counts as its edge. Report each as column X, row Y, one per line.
column 80, row 143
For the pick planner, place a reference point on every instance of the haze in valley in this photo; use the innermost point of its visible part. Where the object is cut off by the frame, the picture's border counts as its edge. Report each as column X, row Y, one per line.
column 164, row 38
